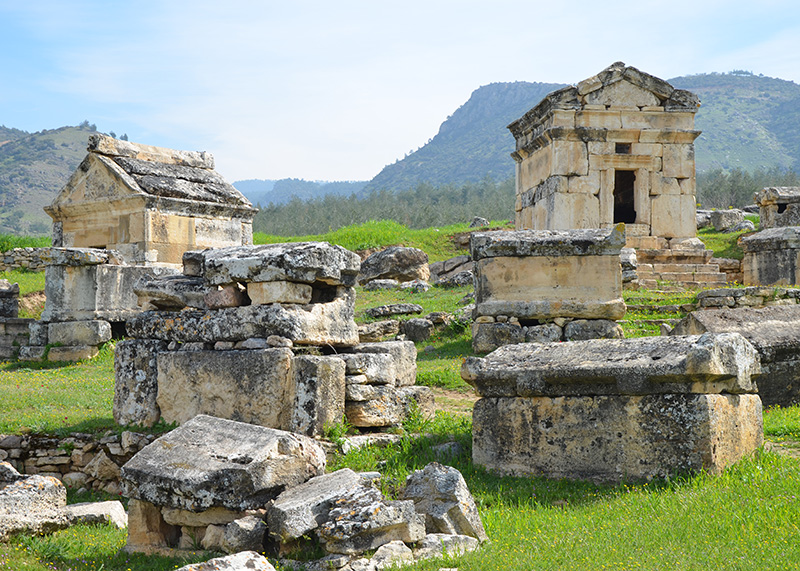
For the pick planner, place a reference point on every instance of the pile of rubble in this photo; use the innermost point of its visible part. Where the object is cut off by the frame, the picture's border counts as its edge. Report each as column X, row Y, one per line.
column 227, row 486
column 264, row 335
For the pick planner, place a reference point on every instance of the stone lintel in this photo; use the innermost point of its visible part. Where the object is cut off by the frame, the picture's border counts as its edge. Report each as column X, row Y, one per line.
column 650, row 365
column 781, row 238
column 523, row 243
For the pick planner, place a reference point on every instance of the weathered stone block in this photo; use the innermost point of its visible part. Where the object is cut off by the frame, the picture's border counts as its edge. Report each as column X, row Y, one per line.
column 395, row 262
column 649, row 365
column 384, row 409
column 147, row 530
column 250, row 560
column 489, row 336
column 772, row 256
column 92, row 332
column 136, row 381
column 208, row 462
column 570, row 158
column 679, row 160
column 615, row 438
column 584, row 329
column 404, row 354
column 378, row 368
column 72, row 353
column 30, row 504
column 319, row 384
column 673, row 215
column 254, row 386
column 172, row 292
column 278, row 292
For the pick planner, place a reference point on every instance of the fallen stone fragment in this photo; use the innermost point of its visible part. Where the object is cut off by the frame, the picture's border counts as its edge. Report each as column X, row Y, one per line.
column 441, row 493
column 391, row 554
column 244, row 561
column 110, row 512
column 442, row 544
column 210, row 462
column 417, row 329
column 378, row 330
column 395, row 262
column 245, row 534
column 363, row 519
column 32, row 505
column 303, row 508
column 394, row 309
column 378, row 368
column 375, row 285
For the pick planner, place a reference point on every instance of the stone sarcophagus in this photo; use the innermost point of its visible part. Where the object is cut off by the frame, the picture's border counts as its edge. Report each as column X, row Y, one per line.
column 778, row 206
column 616, row 410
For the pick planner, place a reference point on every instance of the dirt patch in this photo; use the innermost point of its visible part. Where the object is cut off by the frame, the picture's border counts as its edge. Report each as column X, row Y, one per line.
column 455, row 402
column 32, row 305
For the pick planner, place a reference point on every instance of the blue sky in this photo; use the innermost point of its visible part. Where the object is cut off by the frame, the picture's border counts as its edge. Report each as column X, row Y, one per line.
column 336, row 90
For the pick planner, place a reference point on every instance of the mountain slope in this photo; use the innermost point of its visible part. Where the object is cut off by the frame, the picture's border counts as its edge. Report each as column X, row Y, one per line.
column 264, row 192
column 748, row 121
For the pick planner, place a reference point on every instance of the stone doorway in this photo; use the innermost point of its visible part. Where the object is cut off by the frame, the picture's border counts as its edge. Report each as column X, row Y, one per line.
column 624, row 207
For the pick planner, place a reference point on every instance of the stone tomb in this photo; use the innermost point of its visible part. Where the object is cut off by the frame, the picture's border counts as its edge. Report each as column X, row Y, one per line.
column 772, row 257
column 778, row 206
column 546, row 285
column 263, row 335
column 616, row 410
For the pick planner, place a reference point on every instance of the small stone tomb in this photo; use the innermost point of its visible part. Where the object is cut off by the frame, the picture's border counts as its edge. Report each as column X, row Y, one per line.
column 546, row 285
column 778, row 206
column 264, row 335
column 774, row 332
column 616, row 410
column 772, row 256
column 13, row 329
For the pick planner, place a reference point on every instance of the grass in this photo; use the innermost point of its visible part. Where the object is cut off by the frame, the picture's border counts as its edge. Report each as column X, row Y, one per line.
column 725, row 245
column 29, row 282
column 11, row 241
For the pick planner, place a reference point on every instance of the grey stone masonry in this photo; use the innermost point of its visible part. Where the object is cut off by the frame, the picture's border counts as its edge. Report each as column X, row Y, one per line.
column 770, row 256
column 779, row 206
column 522, row 243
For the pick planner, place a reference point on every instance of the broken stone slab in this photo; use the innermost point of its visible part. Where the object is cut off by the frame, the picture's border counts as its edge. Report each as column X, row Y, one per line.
column 404, row 354
column 253, row 386
column 377, row 331
column 32, row 505
column 171, row 293
column 378, row 368
column 584, row 329
column 110, row 512
column 394, row 309
column 648, row 365
column 305, row 262
column 556, row 243
column 724, row 220
column 245, row 534
column 136, row 381
column 617, row 437
column 74, row 256
column 92, row 332
column 379, row 440
column 437, row 545
column 328, row 323
column 212, row 516
column 319, row 386
column 395, row 262
column 105, row 145
column 363, row 519
column 243, row 561
column 392, row 554
column 303, row 508
column 209, row 462
column 441, row 493
column 375, row 285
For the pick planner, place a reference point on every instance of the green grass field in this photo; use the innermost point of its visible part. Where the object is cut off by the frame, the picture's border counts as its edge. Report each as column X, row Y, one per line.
column 746, row 518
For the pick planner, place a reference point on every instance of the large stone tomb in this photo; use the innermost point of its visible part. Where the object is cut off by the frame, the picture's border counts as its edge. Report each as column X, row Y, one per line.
column 616, row 410
column 542, row 285
column 772, row 256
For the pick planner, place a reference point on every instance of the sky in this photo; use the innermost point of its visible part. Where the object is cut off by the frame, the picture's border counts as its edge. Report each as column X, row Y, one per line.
column 336, row 90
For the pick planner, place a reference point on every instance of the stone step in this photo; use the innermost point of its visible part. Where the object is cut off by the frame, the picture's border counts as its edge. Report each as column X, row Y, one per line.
column 702, row 268
column 674, row 256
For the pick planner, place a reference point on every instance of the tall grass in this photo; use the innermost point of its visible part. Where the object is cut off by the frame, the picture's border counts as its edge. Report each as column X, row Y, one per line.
column 10, row 241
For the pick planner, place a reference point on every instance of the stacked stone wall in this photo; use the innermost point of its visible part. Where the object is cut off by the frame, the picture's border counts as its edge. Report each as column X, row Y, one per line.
column 30, row 259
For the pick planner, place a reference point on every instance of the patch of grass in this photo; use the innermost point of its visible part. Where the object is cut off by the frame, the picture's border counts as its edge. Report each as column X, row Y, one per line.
column 436, row 242
column 11, row 241
column 29, row 282
column 782, row 423
column 435, row 299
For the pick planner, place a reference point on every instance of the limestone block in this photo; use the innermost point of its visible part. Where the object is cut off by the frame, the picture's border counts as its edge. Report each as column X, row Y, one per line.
column 305, row 262
column 32, row 505
column 563, row 118
column 362, row 520
column 417, row 329
column 193, row 263
column 584, row 329
column 436, row 545
column 329, row 323
column 303, row 508
column 278, row 292
column 245, row 534
column 599, row 119
column 92, row 332
column 254, row 386
column 489, row 336
column 394, row 309
column 208, row 462
column 136, row 381
column 171, row 292
column 709, row 363
column 673, row 216
column 569, row 158
column 649, row 149
column 385, row 409
column 319, row 384
column 441, row 493
column 678, row 160
column 663, row 185
column 110, row 512
column 671, row 137
column 391, row 555
column 110, row 146
column 657, row 120
column 601, row 147
column 404, row 354
column 589, row 184
column 376, row 331
column 594, row 242
column 615, row 438
column 147, row 530
column 378, row 368
column 724, row 220
column 72, row 353
column 622, row 93
column 74, row 257
column 395, row 262
column 535, row 168
column 250, row 560
column 102, row 467
column 212, row 516
column 547, row 333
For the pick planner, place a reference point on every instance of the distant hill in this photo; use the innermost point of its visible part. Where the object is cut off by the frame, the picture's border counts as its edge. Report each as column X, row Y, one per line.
column 748, row 121
column 264, row 192
column 33, row 168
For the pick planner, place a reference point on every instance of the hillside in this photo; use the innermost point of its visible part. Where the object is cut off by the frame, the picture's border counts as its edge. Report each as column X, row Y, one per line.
column 266, row 192
column 33, row 168
column 748, row 121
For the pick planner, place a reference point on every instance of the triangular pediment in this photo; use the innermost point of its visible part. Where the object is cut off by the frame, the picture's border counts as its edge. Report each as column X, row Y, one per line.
column 97, row 178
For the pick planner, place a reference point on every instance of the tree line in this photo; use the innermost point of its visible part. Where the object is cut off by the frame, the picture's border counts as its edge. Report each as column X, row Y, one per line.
column 719, row 189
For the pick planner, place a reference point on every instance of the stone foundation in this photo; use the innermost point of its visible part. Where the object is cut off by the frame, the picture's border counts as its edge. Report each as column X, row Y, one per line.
column 772, row 257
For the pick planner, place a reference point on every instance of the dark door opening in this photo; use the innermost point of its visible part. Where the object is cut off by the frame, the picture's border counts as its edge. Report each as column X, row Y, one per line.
column 624, row 210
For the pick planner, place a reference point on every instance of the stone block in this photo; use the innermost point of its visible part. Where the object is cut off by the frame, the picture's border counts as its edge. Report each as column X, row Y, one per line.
column 436, row 545
column 772, row 257
column 250, row 560
column 395, row 262
column 585, row 329
column 394, row 309
column 660, row 184
column 385, row 409
column 417, row 329
column 31, row 505
column 678, row 160
column 378, row 368
column 72, row 353
column 329, row 323
column 416, row 399
column 303, row 508
column 709, row 363
column 212, row 516
column 489, row 336
column 305, row 262
column 569, row 158
column 673, row 216
column 319, row 385
column 605, row 119
column 547, row 333
column 136, row 381
column 278, row 292
column 254, row 386
column 378, row 330
column 110, row 512
column 171, row 292
column 92, row 332
column 147, row 530
column 617, row 437
column 208, row 462
column 245, row 534
column 404, row 354
column 589, row 184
